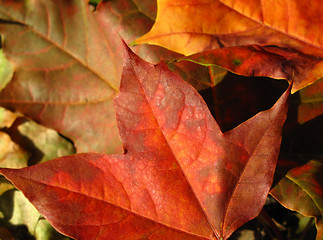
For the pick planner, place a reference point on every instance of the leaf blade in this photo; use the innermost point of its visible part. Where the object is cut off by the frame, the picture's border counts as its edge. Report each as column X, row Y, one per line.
column 191, row 27
column 50, row 54
column 155, row 189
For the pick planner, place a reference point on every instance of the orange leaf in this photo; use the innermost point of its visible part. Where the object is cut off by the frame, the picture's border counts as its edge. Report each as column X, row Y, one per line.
column 180, row 178
column 193, row 26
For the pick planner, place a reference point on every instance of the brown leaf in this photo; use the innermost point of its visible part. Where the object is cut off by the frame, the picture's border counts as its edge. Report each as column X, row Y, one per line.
column 181, row 177
column 67, row 70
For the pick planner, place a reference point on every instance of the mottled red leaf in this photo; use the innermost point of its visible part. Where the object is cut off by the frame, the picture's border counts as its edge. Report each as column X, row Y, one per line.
column 291, row 28
column 66, row 70
column 302, row 190
column 180, row 178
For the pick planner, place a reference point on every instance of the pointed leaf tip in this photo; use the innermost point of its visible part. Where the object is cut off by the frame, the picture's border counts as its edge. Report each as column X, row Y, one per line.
column 195, row 181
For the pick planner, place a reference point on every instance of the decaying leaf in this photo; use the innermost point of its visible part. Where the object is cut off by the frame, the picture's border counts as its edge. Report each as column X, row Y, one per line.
column 180, row 178
column 301, row 190
column 289, row 31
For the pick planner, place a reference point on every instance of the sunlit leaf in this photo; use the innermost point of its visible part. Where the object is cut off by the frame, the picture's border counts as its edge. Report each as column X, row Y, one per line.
column 288, row 28
column 66, row 70
column 11, row 156
column 6, row 70
column 180, row 178
column 131, row 19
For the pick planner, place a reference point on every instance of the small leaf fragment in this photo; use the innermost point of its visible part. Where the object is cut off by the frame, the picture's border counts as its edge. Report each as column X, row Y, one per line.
column 301, row 190
column 47, row 140
column 6, row 70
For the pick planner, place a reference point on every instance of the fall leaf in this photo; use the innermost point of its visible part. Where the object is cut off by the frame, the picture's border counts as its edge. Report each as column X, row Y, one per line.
column 291, row 31
column 311, row 102
column 180, row 178
column 7, row 118
column 131, row 19
column 12, row 156
column 15, row 209
column 66, row 70
column 301, row 190
column 6, row 70
column 87, row 62
column 269, row 61
column 48, row 141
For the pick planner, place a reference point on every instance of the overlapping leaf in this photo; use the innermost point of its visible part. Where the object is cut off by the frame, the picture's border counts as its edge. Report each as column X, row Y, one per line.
column 288, row 28
column 181, row 177
column 302, row 190
column 6, row 70
column 270, row 61
column 67, row 70
column 131, row 19
column 48, row 141
column 311, row 102
column 68, row 64
column 12, row 156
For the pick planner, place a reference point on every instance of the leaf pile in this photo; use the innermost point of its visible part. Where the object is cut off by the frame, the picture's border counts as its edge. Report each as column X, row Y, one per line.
column 191, row 168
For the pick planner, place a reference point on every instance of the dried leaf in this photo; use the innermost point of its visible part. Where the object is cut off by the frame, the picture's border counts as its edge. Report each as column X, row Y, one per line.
column 181, row 177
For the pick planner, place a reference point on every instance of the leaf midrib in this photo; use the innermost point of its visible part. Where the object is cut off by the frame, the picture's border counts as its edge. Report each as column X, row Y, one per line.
column 175, row 158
